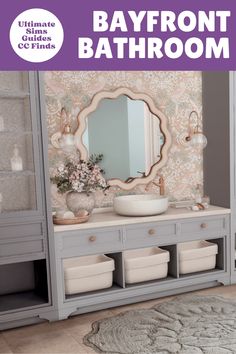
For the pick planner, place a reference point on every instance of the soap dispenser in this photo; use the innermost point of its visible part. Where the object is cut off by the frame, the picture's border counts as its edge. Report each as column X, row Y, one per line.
column 16, row 160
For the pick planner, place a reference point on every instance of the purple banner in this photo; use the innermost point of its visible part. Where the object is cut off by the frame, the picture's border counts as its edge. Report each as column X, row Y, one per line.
column 118, row 35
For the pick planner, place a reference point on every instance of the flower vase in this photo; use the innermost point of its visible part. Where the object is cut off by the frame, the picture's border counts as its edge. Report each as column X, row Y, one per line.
column 80, row 201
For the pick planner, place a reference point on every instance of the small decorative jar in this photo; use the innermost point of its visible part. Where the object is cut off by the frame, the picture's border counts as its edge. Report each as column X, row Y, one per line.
column 80, row 201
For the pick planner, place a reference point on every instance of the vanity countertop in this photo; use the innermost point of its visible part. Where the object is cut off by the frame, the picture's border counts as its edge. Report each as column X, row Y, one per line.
column 105, row 219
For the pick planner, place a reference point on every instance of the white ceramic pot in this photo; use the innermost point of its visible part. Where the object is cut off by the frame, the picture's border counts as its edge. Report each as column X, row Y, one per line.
column 76, row 202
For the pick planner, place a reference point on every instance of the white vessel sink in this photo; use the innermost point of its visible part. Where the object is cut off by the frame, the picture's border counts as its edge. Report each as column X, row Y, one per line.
column 140, row 205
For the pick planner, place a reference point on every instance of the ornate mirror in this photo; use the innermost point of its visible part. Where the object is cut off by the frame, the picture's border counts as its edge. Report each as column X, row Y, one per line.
column 129, row 131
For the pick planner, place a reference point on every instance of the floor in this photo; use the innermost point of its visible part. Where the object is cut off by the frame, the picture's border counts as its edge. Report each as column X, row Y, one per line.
column 67, row 336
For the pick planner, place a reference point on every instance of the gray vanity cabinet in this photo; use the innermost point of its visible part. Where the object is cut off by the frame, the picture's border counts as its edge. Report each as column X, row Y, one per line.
column 124, row 234
column 25, row 290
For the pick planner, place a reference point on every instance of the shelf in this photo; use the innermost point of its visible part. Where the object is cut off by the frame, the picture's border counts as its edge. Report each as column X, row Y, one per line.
column 23, row 284
column 137, row 285
column 22, row 300
column 26, row 173
column 117, row 287
column 14, row 94
column 197, row 274
column 150, row 282
column 15, row 132
column 20, row 212
column 93, row 293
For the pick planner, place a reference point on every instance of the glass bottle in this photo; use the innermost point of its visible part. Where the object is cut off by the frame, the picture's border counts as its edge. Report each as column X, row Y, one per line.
column 16, row 160
column 198, row 194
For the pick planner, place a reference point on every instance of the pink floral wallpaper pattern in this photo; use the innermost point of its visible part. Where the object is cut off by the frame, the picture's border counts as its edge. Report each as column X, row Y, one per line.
column 175, row 93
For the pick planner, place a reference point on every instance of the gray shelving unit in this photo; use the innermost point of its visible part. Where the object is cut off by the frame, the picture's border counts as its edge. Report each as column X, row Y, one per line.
column 25, row 279
column 232, row 113
column 31, row 256
column 219, row 118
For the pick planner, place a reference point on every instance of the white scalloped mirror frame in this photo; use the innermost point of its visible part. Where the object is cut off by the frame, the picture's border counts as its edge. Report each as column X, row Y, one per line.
column 163, row 127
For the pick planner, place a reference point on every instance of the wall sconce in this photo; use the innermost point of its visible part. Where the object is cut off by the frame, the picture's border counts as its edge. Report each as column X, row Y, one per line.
column 64, row 139
column 195, row 138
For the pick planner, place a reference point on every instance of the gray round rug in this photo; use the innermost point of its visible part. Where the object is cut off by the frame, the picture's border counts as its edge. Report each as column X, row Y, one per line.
column 185, row 325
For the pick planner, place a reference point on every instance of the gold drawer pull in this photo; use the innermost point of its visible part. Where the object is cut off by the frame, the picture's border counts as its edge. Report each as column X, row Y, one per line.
column 92, row 238
column 203, row 225
column 152, row 232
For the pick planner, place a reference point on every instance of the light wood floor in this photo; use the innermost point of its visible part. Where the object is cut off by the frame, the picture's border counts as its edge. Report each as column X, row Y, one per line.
column 67, row 336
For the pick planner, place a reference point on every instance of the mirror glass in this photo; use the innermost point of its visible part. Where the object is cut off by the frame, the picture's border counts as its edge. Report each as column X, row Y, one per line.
column 127, row 134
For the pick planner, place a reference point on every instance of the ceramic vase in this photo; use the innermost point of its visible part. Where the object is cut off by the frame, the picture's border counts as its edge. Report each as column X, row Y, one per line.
column 80, row 201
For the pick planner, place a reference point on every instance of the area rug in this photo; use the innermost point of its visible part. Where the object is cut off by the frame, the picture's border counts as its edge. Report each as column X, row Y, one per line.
column 185, row 325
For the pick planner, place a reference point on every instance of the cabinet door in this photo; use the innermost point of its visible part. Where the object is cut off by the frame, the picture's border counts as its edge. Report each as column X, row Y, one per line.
column 19, row 131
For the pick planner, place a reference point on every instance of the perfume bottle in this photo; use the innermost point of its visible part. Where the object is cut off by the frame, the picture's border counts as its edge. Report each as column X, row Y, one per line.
column 16, row 160
column 1, row 124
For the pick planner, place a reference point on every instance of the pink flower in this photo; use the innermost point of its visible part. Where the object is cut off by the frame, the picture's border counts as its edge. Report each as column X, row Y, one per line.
column 79, row 176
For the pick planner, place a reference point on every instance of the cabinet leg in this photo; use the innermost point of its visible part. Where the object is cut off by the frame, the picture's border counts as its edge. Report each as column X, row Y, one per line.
column 65, row 313
column 58, row 315
column 50, row 316
column 225, row 282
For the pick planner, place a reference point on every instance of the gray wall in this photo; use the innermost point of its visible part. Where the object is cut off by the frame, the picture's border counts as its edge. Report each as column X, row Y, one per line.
column 216, row 128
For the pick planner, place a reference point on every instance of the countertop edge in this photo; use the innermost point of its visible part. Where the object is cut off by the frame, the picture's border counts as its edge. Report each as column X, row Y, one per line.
column 170, row 215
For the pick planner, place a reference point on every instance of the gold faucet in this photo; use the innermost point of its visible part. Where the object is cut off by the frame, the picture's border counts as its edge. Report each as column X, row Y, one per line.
column 160, row 184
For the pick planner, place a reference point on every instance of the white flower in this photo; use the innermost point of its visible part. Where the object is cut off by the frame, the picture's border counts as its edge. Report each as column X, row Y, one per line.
column 61, row 168
column 79, row 176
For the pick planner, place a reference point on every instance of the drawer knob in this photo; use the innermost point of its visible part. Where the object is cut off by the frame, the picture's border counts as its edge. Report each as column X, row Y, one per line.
column 92, row 238
column 152, row 232
column 203, row 225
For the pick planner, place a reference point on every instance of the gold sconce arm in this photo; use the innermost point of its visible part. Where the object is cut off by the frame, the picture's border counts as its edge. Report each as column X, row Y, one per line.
column 195, row 137
column 64, row 139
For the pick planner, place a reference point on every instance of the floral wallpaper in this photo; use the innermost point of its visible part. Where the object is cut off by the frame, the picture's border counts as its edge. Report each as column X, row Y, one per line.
column 175, row 93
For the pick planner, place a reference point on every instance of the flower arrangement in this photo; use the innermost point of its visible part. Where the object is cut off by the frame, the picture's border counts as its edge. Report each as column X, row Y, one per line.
column 80, row 176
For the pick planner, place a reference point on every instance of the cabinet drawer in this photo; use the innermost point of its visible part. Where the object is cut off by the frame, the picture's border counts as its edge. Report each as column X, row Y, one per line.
column 21, row 248
column 204, row 226
column 91, row 242
column 149, row 235
column 20, row 231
